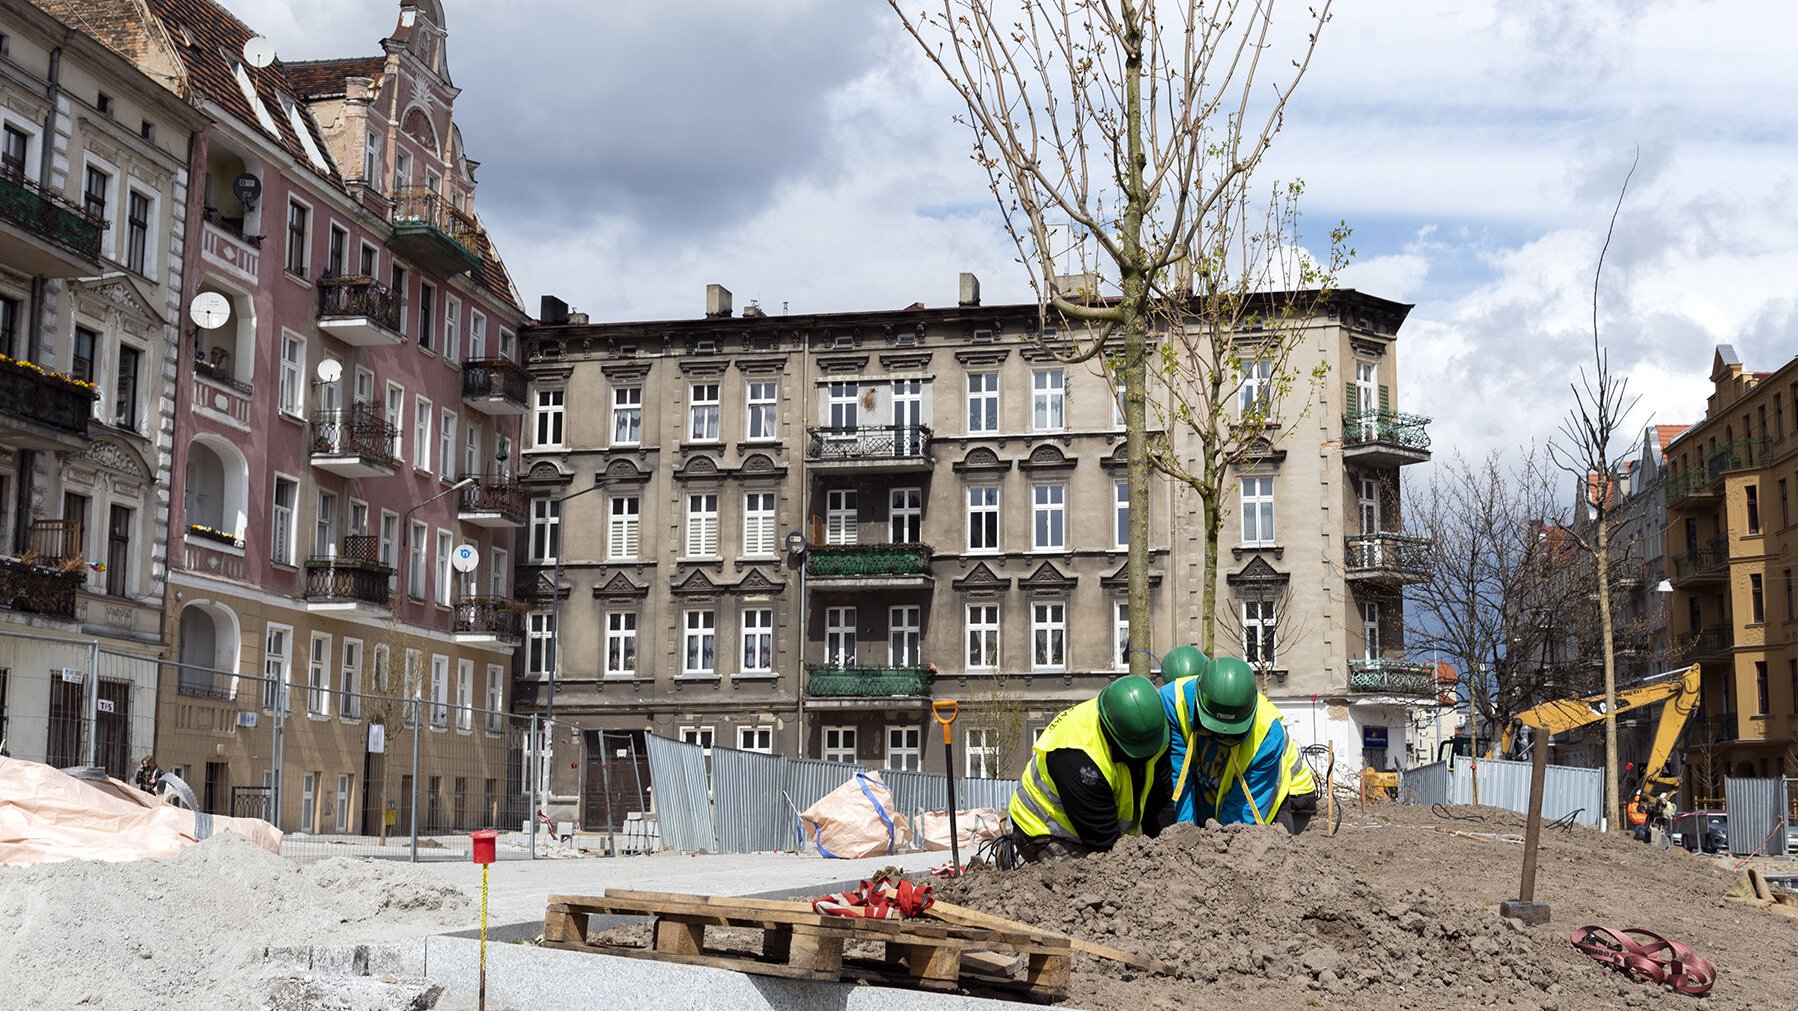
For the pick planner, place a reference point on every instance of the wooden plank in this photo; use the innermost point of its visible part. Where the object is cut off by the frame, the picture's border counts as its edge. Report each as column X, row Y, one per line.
column 1049, row 973
column 952, row 913
column 696, row 909
column 732, row 963
column 927, row 962
column 818, row 950
column 991, row 963
column 727, row 901
column 673, row 937
column 562, row 924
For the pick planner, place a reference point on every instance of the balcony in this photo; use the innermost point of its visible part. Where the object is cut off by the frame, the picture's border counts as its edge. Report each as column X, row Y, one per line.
column 495, row 386
column 1708, row 643
column 359, row 312
column 354, row 579
column 1385, row 438
column 43, row 409
column 46, row 579
column 1687, row 484
column 828, row 681
column 493, row 502
column 354, row 443
column 870, row 448
column 489, row 620
column 44, row 235
column 870, row 565
column 1715, row 730
column 432, row 233
column 1708, row 561
column 1414, row 679
column 1389, row 559
column 1738, row 454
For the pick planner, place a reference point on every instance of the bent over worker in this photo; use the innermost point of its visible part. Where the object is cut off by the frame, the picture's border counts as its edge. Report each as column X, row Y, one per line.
column 1229, row 757
column 1094, row 776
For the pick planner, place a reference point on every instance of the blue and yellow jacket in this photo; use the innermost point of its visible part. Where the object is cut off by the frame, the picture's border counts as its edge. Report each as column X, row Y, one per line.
column 1231, row 783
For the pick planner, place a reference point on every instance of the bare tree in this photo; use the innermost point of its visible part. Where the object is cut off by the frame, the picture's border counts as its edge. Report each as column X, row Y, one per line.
column 1283, row 620
column 1601, row 404
column 1098, row 123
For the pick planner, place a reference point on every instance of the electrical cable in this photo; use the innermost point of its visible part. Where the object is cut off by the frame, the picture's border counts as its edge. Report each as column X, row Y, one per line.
column 1442, row 811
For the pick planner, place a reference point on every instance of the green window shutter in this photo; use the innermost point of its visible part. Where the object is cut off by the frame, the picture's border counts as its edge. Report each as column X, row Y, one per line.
column 1385, row 398
column 1352, row 406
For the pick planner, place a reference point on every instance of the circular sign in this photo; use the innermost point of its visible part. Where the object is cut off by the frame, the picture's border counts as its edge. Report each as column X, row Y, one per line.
column 210, row 310
column 465, row 558
column 247, row 188
column 329, row 370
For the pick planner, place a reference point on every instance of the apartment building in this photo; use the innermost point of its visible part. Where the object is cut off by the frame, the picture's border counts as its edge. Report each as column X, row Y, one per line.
column 93, row 189
column 1733, row 544
column 348, row 406
column 791, row 533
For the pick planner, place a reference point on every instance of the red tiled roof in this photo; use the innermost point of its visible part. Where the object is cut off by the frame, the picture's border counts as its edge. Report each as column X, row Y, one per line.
column 322, row 78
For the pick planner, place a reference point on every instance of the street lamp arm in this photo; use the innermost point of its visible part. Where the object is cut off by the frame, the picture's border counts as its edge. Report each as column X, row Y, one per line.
column 406, row 527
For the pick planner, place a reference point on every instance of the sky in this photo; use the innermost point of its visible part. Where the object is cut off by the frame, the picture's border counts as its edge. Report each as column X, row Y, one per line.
column 802, row 154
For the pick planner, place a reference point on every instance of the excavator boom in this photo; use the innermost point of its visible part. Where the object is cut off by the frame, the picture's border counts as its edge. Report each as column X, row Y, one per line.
column 1678, row 689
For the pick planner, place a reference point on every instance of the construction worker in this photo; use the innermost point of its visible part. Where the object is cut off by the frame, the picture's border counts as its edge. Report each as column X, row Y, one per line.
column 1094, row 775
column 1229, row 758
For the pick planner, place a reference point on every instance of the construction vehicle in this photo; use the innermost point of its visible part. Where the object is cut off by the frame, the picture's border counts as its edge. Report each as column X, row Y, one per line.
column 1678, row 689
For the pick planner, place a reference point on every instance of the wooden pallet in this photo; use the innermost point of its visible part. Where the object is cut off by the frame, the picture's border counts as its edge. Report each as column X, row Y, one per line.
column 798, row 943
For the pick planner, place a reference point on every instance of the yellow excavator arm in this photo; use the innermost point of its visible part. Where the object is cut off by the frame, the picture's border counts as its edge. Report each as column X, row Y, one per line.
column 1678, row 689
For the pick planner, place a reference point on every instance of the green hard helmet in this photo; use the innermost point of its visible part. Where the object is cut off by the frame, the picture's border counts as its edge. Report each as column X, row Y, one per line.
column 1227, row 696
column 1130, row 713
column 1183, row 662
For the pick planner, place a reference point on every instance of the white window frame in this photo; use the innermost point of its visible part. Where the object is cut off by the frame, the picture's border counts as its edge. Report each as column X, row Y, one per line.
column 283, row 524
column 446, row 447
column 757, row 640
column 700, row 737
column 394, row 413
column 1048, row 635
column 761, row 422
column 842, row 516
column 465, row 696
column 703, row 412
column 905, row 748
column 1258, row 517
column 350, row 681
column 1260, row 633
column 981, row 753
column 1256, row 391
column 444, row 580
column 621, row 644
column 838, row 744
column 1049, row 516
column 1120, row 514
column 421, row 433
column 839, row 636
column 627, row 415
column 545, row 529
column 757, row 739
column 905, row 635
column 389, row 544
column 277, row 666
column 983, row 501
column 702, row 525
column 540, row 643
column 624, row 527
column 983, row 403
column 759, row 538
column 477, row 335
column 499, row 573
column 1048, row 400
column 318, row 675
column 416, row 569
column 440, row 688
column 291, row 397
column 548, row 410
column 842, row 406
column 1120, row 635
column 699, row 642
column 905, row 515
column 452, row 328
column 495, row 717
column 982, row 639
column 324, row 525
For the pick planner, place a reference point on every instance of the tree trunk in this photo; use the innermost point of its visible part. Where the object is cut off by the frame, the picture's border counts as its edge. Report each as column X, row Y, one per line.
column 1134, row 280
column 1612, row 800
column 1214, row 525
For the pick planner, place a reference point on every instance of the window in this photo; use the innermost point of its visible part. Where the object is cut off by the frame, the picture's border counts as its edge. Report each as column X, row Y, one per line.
column 477, row 335
column 402, row 168
column 81, row 355
column 293, row 390
column 1257, row 511
column 465, row 695
column 496, row 700
column 540, row 642
column 702, row 526
column 700, row 737
column 757, row 739
column 621, row 644
column 1048, row 635
column 397, row 285
column 841, row 402
column 396, row 400
column 839, row 636
column 443, row 568
column 446, row 446
column 137, row 232
column 471, row 450
column 904, row 751
column 452, row 328
column 761, row 402
column 627, row 415
column 1756, row 599
column 439, row 692
column 103, row 102
column 1120, row 634
column 9, row 325
column 758, row 524
column 1764, row 704
column 336, row 251
column 758, row 640
column 1789, row 602
column 427, row 316
column 903, row 635
column 281, row 530
column 1047, row 400
column 841, row 514
column 118, row 550
column 703, row 412
column 983, row 636
column 983, row 402
column 548, row 418
column 318, row 676
column 622, row 527
column 1259, row 643
column 701, row 643
column 124, row 394
column 1048, row 514
column 324, row 522
column 839, row 744
column 277, row 665
column 298, row 215
column 982, row 753
column 12, row 152
column 1785, row 505
column 415, row 561
column 96, row 183
column 905, row 515
column 1753, row 496
column 1120, row 514
column 350, row 681
column 421, row 434
column 546, row 529
column 390, row 535
column 1253, row 398
column 983, row 519
column 369, row 259
column 499, row 572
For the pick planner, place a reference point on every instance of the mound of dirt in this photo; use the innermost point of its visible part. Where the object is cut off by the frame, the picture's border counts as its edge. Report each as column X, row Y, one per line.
column 1390, row 913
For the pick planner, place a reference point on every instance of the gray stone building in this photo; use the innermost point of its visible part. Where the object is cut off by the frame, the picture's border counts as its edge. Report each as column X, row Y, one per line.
column 793, row 532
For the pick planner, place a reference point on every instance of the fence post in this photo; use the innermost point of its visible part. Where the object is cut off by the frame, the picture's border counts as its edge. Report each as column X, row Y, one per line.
column 277, row 752
column 91, row 754
column 605, row 771
column 536, row 773
column 418, row 717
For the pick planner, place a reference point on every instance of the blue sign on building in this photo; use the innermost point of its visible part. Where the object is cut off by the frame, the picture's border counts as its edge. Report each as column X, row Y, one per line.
column 1373, row 737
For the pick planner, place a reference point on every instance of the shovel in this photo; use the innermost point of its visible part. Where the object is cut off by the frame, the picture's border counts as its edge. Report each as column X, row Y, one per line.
column 945, row 711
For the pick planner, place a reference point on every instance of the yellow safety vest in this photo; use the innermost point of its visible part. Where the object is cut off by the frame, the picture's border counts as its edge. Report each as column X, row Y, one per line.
column 1295, row 775
column 1036, row 806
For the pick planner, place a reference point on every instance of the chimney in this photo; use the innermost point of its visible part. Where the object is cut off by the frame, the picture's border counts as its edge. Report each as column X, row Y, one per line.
column 970, row 290
column 717, row 301
column 552, row 311
column 577, row 319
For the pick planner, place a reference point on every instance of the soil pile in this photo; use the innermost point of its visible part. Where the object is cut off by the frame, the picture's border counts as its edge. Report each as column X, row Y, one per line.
column 1390, row 913
column 175, row 934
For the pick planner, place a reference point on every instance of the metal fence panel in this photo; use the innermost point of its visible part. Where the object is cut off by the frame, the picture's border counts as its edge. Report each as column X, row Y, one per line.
column 1566, row 790
column 1426, row 784
column 677, row 774
column 1756, row 809
column 749, row 814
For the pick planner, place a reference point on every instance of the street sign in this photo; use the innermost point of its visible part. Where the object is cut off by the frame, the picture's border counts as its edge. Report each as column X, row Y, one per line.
column 71, row 675
column 377, row 739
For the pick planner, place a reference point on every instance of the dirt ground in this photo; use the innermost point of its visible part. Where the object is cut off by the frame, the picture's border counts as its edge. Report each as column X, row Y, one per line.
column 1391, row 913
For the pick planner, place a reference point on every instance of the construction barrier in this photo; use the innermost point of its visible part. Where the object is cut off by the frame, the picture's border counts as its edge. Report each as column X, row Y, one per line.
column 1757, row 816
column 1566, row 790
column 719, row 800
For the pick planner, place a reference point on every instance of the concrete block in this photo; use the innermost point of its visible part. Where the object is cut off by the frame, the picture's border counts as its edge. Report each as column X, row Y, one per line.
column 340, row 959
column 339, row 993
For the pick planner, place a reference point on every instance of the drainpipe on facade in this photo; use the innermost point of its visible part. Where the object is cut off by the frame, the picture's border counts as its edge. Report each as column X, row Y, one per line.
column 805, row 494
column 34, row 329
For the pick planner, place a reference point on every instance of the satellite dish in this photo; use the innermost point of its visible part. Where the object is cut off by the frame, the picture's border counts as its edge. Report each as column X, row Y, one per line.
column 248, row 189
column 259, row 51
column 465, row 558
column 209, row 310
column 329, row 370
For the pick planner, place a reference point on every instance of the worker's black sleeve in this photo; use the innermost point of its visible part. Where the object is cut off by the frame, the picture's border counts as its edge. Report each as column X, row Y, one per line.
column 1085, row 796
column 1160, row 810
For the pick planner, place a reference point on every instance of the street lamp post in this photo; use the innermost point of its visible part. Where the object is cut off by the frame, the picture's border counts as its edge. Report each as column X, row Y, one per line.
column 555, row 604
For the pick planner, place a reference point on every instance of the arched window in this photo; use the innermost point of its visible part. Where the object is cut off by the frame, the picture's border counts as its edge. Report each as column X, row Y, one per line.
column 206, row 649
column 217, row 490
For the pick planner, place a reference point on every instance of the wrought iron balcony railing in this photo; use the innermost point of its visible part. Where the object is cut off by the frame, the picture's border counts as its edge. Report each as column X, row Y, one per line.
column 856, row 681
column 1707, row 557
column 1405, row 555
column 1708, row 641
column 1738, row 454
column 49, row 216
column 433, row 230
column 355, row 574
column 501, row 495
column 31, row 393
column 40, row 589
column 495, row 616
column 868, row 443
column 1407, row 431
column 495, row 379
column 362, row 431
column 854, row 560
column 359, row 297
column 1393, row 677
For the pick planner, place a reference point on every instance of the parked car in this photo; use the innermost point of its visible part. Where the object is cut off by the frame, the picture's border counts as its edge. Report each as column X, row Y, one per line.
column 1702, row 831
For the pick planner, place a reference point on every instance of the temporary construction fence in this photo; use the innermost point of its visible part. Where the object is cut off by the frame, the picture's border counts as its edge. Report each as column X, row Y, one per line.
column 1566, row 790
column 1758, row 816
column 719, row 800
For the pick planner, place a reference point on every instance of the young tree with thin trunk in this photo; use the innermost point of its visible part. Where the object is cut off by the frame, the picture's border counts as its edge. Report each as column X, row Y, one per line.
column 1126, row 126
